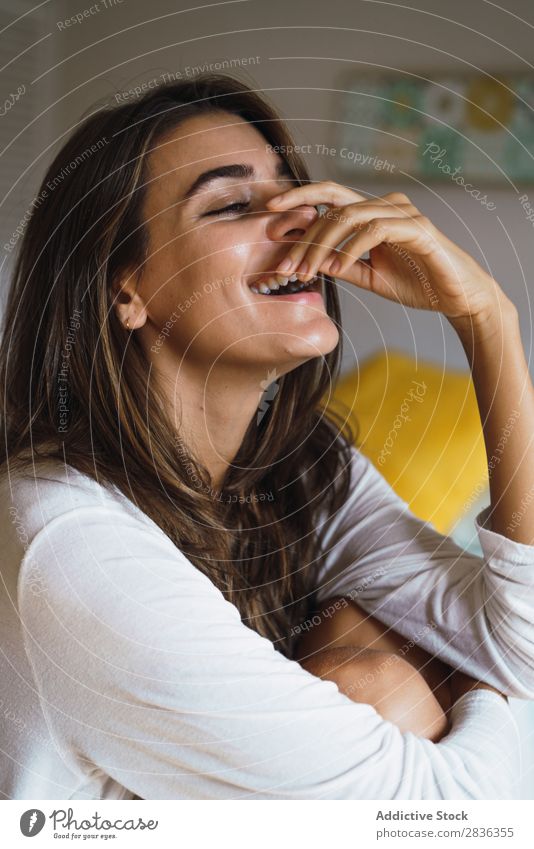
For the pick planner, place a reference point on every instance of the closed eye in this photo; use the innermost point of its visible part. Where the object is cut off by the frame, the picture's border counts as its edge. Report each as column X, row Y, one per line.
column 233, row 207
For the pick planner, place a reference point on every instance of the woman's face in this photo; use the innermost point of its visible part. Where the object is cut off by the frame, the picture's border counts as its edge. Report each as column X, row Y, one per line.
column 195, row 287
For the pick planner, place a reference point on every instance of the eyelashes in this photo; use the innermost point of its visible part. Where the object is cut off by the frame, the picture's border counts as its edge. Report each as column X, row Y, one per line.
column 233, row 207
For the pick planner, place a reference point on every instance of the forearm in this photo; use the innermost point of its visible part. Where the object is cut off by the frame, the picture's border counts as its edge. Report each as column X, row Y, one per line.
column 505, row 397
column 351, row 626
column 385, row 681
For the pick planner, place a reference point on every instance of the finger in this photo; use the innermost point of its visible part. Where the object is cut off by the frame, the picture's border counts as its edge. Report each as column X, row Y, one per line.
column 331, row 228
column 326, row 241
column 299, row 248
column 315, row 193
column 332, row 194
column 417, row 234
column 362, row 274
column 359, row 273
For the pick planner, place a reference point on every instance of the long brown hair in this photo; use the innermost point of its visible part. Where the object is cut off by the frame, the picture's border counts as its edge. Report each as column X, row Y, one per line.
column 84, row 409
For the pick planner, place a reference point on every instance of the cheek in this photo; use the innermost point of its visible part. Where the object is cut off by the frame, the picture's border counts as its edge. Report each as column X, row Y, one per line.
column 242, row 251
column 205, row 257
column 200, row 276
column 216, row 272
column 220, row 253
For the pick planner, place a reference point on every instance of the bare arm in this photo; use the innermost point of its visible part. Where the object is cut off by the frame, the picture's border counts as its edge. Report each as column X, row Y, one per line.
column 387, row 682
column 352, row 626
column 505, row 397
column 375, row 665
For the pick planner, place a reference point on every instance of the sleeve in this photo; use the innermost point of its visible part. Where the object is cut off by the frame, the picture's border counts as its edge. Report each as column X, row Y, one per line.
column 146, row 673
column 475, row 613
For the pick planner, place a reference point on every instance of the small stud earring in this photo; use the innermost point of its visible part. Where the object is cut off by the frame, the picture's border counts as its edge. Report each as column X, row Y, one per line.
column 128, row 324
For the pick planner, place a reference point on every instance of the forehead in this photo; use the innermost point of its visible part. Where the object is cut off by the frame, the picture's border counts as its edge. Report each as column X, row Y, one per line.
column 206, row 141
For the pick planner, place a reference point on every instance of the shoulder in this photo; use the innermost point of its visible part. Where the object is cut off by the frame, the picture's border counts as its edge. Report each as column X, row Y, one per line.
column 368, row 489
column 47, row 492
column 60, row 528
column 360, row 465
column 94, row 559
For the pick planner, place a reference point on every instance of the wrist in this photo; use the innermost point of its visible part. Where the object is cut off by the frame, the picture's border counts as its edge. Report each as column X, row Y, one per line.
column 488, row 324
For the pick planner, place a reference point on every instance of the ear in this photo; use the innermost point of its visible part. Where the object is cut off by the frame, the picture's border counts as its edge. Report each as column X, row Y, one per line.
column 127, row 302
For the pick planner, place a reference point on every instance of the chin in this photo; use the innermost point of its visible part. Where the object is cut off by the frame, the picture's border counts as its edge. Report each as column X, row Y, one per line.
column 317, row 339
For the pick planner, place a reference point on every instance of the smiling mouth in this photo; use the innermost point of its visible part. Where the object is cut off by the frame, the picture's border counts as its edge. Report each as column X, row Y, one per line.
column 287, row 286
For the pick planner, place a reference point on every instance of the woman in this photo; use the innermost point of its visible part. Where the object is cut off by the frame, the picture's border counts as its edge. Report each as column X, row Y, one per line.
column 164, row 532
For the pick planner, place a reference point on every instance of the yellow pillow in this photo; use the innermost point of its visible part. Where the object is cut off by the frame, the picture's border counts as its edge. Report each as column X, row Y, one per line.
column 420, row 426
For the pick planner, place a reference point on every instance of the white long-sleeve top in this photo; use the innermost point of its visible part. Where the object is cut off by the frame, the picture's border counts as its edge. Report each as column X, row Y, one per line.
column 126, row 671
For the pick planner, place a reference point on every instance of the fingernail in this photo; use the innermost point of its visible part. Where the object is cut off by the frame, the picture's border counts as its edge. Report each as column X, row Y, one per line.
column 276, row 199
column 285, row 265
column 334, row 266
column 303, row 268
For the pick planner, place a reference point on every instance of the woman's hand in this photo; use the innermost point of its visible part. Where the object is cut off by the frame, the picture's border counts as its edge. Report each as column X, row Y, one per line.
column 410, row 260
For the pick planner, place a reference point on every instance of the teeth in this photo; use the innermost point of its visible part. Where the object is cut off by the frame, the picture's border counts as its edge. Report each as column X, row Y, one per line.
column 267, row 285
column 292, row 283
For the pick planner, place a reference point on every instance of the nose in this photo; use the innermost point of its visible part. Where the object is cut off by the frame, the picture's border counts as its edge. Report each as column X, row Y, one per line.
column 290, row 224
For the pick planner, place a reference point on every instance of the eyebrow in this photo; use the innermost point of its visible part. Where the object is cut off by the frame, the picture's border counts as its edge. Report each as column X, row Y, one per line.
column 238, row 171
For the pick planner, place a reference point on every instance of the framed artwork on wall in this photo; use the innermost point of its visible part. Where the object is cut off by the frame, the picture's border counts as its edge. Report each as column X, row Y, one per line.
column 429, row 126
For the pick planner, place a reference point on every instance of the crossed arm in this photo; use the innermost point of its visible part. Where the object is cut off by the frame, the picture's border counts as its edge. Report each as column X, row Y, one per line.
column 372, row 664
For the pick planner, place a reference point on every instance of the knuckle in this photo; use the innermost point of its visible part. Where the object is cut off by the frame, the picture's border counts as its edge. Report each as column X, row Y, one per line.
column 424, row 222
column 376, row 225
column 353, row 209
column 332, row 190
column 326, row 186
column 398, row 197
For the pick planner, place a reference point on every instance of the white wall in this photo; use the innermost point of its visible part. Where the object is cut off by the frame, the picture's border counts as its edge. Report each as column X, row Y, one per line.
column 305, row 50
column 27, row 117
